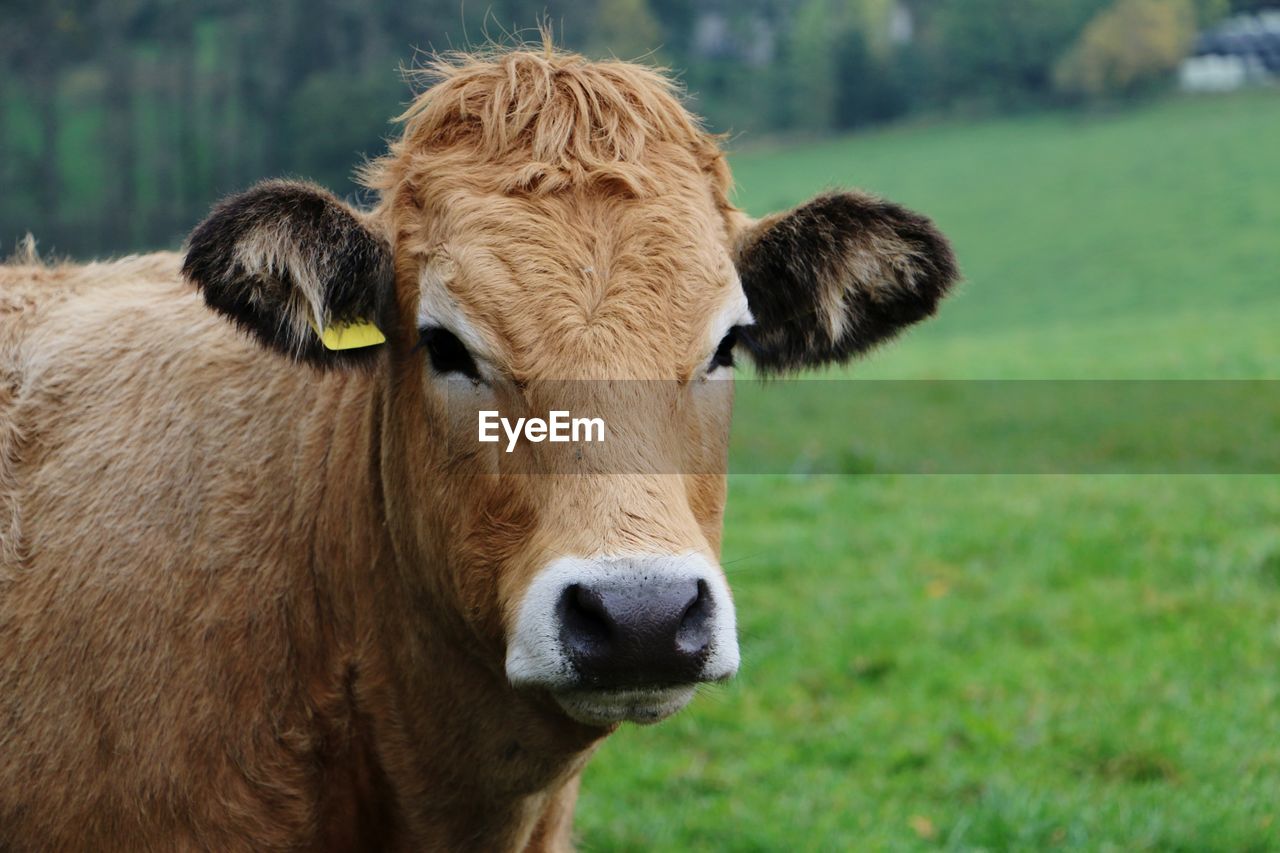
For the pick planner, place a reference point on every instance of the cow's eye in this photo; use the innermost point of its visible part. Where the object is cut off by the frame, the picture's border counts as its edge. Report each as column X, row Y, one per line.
column 724, row 352
column 447, row 353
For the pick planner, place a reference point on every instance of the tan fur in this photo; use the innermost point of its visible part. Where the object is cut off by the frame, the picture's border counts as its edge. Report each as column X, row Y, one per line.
column 245, row 604
column 544, row 122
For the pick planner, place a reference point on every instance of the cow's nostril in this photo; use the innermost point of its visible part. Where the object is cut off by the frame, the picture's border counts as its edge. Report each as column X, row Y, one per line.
column 695, row 626
column 585, row 621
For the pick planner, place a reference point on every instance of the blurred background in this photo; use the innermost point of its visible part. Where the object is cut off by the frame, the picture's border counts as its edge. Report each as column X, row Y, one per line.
column 124, row 120
column 960, row 662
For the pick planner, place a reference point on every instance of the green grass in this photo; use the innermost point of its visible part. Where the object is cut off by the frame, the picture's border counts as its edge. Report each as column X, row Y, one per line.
column 1009, row 662
column 1088, row 230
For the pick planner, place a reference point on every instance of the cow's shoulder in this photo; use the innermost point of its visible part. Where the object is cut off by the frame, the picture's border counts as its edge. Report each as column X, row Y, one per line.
column 113, row 375
column 150, row 560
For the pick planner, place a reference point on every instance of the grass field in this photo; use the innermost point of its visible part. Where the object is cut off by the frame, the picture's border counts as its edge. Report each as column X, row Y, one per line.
column 1009, row 662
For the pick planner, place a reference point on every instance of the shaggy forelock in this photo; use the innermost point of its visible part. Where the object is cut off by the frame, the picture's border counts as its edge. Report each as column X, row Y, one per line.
column 554, row 120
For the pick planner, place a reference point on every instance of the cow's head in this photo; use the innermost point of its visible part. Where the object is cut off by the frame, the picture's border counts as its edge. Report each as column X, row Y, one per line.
column 554, row 234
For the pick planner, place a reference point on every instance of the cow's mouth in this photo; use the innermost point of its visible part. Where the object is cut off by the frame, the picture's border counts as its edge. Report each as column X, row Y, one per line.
column 608, row 707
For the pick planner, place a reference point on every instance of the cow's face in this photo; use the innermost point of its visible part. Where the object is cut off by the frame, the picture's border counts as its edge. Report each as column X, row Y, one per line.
column 588, row 571
column 592, row 567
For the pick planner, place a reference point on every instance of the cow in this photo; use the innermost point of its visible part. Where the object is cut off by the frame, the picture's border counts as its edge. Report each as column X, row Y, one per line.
column 261, row 586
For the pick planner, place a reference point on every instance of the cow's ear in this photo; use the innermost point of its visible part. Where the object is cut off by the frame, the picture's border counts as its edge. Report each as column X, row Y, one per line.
column 836, row 276
column 298, row 269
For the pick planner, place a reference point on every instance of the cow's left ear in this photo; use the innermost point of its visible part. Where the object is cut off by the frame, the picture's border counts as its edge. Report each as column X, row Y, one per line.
column 297, row 269
column 837, row 275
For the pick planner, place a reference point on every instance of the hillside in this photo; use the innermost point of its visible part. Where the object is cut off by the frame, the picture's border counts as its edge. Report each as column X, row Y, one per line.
column 1136, row 245
column 1009, row 662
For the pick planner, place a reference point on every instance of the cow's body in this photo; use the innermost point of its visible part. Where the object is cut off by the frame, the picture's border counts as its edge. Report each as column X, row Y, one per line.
column 249, row 603
column 182, row 676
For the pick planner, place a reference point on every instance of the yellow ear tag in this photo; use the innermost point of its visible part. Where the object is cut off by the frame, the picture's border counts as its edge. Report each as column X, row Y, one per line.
column 355, row 335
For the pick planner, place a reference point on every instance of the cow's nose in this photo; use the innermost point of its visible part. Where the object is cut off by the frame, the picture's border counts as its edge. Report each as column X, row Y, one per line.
column 637, row 634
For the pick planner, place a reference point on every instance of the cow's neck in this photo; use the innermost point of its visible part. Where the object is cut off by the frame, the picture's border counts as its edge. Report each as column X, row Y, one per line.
column 439, row 732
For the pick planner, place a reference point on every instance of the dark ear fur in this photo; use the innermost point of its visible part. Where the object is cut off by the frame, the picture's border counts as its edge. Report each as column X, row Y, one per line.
column 276, row 256
column 837, row 275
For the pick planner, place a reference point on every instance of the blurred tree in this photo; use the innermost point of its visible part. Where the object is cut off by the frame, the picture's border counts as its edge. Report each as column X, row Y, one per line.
column 807, row 80
column 869, row 89
column 1001, row 50
column 1128, row 47
column 113, row 23
column 839, row 67
column 335, row 119
column 678, row 19
column 625, row 29
column 122, row 120
column 37, row 37
column 1208, row 11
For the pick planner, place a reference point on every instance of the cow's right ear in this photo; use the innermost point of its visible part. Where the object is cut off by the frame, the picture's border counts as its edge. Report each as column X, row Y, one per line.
column 296, row 268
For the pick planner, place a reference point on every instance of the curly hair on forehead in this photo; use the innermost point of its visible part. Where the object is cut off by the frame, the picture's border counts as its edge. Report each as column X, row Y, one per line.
column 552, row 119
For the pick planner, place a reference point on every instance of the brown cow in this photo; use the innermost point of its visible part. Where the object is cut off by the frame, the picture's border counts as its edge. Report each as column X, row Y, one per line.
column 259, row 594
